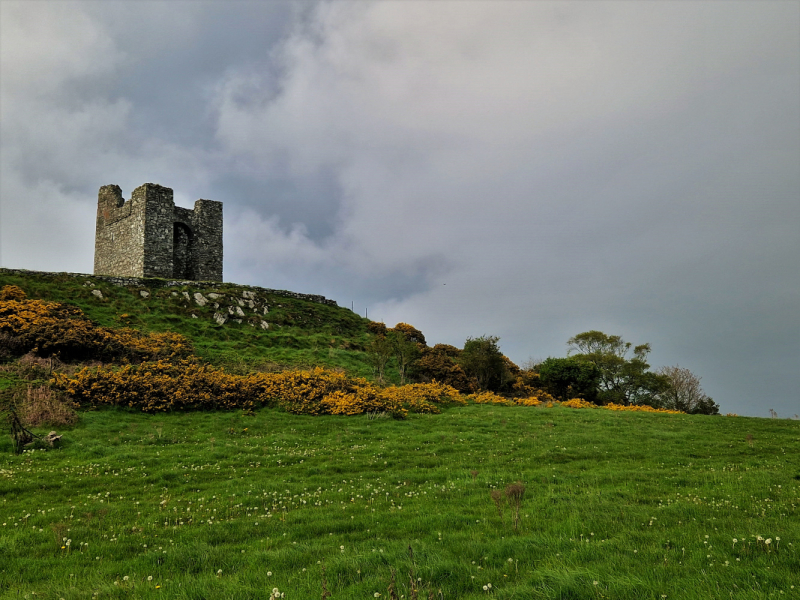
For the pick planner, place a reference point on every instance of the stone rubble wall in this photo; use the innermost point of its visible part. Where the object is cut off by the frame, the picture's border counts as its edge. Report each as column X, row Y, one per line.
column 248, row 291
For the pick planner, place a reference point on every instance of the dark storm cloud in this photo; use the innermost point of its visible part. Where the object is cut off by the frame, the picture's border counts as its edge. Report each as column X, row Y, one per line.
column 528, row 170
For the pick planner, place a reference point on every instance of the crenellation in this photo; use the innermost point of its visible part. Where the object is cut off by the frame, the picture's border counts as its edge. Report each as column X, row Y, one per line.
column 148, row 236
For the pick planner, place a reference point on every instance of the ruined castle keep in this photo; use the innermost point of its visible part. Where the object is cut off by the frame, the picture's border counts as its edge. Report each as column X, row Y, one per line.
column 148, row 236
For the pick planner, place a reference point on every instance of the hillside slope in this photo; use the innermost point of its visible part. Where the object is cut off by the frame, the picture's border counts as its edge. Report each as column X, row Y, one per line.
column 239, row 327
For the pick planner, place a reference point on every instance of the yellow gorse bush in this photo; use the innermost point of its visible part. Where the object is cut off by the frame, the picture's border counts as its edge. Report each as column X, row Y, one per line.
column 581, row 403
column 424, row 397
column 489, row 398
column 318, row 392
column 190, row 385
column 19, row 316
column 52, row 328
column 641, row 408
column 578, row 403
column 12, row 292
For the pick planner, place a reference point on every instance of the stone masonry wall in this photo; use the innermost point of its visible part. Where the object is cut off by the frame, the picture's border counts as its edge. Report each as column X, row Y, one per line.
column 159, row 209
column 119, row 239
column 148, row 236
column 208, row 240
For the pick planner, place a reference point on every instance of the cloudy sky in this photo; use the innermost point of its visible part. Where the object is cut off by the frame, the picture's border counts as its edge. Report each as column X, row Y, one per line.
column 529, row 170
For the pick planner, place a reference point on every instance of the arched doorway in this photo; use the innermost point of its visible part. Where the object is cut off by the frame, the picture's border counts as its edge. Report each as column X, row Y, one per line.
column 182, row 252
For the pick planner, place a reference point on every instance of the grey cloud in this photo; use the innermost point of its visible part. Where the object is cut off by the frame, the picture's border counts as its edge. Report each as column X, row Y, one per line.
column 530, row 170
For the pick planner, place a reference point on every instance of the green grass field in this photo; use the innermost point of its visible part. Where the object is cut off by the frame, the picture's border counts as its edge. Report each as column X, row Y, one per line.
column 224, row 505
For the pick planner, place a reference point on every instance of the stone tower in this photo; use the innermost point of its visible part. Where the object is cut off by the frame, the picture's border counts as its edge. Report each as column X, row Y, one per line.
column 148, row 236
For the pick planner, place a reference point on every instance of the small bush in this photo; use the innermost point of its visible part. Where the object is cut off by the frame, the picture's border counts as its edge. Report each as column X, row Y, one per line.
column 12, row 292
column 489, row 398
column 578, row 403
column 42, row 406
column 641, row 408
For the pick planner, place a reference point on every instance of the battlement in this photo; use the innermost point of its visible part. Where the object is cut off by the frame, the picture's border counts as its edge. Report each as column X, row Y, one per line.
column 148, row 236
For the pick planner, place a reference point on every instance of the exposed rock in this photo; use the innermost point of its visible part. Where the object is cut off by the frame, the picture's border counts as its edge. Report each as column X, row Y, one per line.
column 200, row 299
column 220, row 318
column 249, row 295
column 144, row 294
column 214, row 295
column 186, row 295
column 265, row 309
column 97, row 293
column 264, row 325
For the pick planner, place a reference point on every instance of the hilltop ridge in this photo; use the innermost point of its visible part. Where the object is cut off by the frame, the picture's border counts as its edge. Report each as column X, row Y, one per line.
column 237, row 326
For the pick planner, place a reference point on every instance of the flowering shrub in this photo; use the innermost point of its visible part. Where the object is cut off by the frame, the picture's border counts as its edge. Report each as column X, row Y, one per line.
column 188, row 385
column 578, row 403
column 535, row 398
column 530, row 401
column 12, row 292
column 155, row 386
column 411, row 332
column 489, row 398
column 318, row 392
column 641, row 408
column 51, row 328
column 423, row 397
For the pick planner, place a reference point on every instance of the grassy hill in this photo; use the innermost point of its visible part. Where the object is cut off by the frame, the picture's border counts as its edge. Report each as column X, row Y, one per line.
column 300, row 332
column 479, row 501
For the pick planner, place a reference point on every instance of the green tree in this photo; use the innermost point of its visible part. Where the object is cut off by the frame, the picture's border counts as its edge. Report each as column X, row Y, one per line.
column 379, row 353
column 684, row 392
column 412, row 333
column 405, row 350
column 623, row 380
column 440, row 363
column 481, row 358
column 567, row 378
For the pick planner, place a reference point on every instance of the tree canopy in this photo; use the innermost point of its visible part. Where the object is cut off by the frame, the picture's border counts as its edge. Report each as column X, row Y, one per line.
column 481, row 358
column 684, row 392
column 623, row 379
